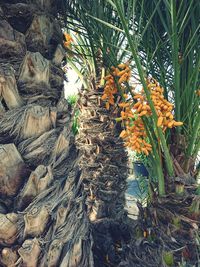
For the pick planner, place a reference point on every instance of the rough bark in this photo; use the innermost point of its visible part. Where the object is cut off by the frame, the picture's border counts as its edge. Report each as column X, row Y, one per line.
column 61, row 199
column 8, row 88
column 104, row 172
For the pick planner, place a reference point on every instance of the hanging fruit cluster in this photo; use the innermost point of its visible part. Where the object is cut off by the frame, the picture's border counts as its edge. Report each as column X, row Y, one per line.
column 162, row 106
column 123, row 72
column 133, row 110
column 110, row 90
column 120, row 74
column 135, row 136
column 68, row 40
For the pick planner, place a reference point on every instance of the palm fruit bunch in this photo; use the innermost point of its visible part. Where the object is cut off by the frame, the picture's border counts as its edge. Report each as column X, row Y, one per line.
column 162, row 106
column 110, row 90
column 134, row 109
column 123, row 73
column 134, row 134
column 118, row 75
column 68, row 40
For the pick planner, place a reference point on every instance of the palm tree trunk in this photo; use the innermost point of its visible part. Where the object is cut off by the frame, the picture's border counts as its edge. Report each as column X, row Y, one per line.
column 104, row 165
column 61, row 200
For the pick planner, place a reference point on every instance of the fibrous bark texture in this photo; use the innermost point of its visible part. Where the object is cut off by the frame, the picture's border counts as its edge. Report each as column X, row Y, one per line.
column 61, row 197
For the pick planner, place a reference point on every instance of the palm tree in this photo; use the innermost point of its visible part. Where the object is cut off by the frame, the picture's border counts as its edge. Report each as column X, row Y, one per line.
column 61, row 199
column 161, row 40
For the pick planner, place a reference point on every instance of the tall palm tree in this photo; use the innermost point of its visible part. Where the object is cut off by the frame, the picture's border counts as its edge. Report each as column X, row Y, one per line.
column 61, row 200
column 162, row 43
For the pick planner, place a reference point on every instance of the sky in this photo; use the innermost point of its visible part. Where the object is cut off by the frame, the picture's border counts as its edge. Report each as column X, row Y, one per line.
column 71, row 87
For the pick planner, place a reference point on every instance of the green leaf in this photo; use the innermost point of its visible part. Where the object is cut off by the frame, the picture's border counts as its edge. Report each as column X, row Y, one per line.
column 105, row 23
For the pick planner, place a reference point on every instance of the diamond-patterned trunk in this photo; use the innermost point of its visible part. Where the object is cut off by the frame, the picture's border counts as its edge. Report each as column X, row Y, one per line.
column 61, row 199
